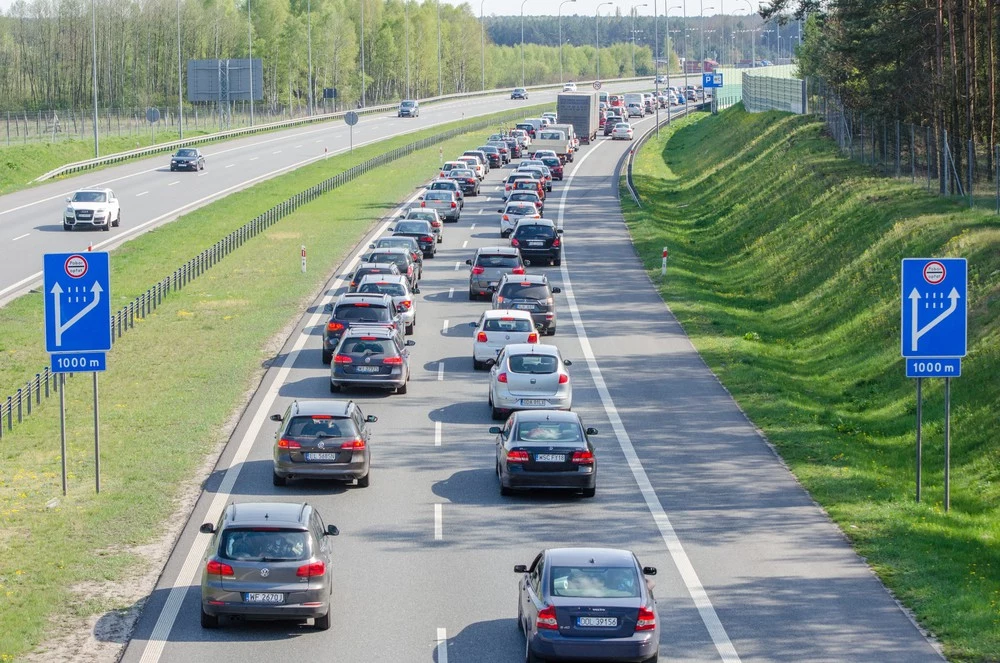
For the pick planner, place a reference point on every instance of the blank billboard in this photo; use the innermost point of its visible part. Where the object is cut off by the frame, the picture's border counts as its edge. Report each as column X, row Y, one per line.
column 224, row 80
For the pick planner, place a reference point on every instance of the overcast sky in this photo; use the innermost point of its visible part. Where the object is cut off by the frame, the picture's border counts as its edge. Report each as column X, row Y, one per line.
column 586, row 7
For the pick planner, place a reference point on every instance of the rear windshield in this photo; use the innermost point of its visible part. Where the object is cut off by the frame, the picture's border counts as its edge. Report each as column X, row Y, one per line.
column 595, row 582
column 497, row 261
column 549, row 431
column 367, row 346
column 319, row 426
column 508, row 325
column 533, row 363
column 411, row 227
column 353, row 313
column 535, row 231
column 518, row 291
column 391, row 289
column 264, row 544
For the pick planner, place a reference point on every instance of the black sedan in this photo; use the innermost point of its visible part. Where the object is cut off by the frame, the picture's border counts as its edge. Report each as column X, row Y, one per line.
column 187, row 158
column 545, row 449
column 421, row 231
column 587, row 603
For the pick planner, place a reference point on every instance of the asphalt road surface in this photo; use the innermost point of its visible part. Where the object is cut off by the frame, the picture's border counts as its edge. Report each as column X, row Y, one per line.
column 749, row 568
column 150, row 195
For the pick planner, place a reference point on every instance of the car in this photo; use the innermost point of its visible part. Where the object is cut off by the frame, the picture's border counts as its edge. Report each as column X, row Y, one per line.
column 519, row 93
column 187, row 158
column 493, row 154
column 555, row 166
column 393, row 241
column 531, row 293
column 371, row 357
column 488, row 265
column 420, row 230
column 322, row 439
column 635, row 110
column 514, row 211
column 529, row 376
column 399, row 257
column 622, row 131
column 466, row 179
column 450, row 166
column 355, row 309
column 257, row 559
column 409, row 108
column 587, row 602
column 495, row 330
column 545, row 449
column 538, row 240
column 474, row 164
column 444, row 202
column 397, row 287
column 366, row 268
column 95, row 208
column 482, row 156
column 609, row 126
column 527, row 197
column 448, row 184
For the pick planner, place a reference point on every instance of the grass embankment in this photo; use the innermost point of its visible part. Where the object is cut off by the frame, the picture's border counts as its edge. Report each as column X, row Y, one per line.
column 784, row 270
column 170, row 387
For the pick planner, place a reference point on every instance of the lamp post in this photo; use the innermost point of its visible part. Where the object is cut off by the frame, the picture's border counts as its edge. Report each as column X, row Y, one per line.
column 180, row 86
column 440, row 81
column 309, row 41
column 250, row 39
column 482, row 39
column 522, row 41
column 597, row 34
column 561, row 39
column 634, row 7
column 93, row 47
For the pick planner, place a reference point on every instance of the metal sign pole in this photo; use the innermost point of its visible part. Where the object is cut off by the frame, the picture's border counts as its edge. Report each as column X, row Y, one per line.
column 62, row 427
column 947, row 444
column 920, row 416
column 97, row 439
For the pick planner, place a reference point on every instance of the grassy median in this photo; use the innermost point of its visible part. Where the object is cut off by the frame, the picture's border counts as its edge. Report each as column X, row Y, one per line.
column 171, row 386
column 784, row 270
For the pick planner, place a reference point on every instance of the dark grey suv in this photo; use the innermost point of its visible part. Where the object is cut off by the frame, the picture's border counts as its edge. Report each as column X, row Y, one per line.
column 268, row 560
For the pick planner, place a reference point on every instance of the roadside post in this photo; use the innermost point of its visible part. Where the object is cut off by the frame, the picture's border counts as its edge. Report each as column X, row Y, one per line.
column 933, row 337
column 77, row 289
column 351, row 118
column 663, row 266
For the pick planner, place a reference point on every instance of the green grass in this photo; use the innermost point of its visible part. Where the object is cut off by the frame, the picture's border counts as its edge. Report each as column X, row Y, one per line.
column 171, row 385
column 784, row 270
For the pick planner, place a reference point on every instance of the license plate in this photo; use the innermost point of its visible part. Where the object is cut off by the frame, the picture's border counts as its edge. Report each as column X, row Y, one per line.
column 261, row 597
column 597, row 621
column 550, row 458
column 368, row 369
column 534, row 402
column 526, row 307
column 321, row 456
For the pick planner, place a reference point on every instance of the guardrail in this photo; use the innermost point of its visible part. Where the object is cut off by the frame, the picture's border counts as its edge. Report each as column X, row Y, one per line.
column 19, row 404
column 246, row 131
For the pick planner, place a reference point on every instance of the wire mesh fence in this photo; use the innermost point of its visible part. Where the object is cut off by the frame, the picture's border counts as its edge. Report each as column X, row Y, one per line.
column 20, row 403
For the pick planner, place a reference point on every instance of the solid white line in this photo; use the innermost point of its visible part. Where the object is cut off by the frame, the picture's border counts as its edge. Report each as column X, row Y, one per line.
column 442, row 645
column 451, row 293
column 438, row 525
column 141, row 194
column 174, row 182
column 465, row 243
column 20, row 237
column 230, row 165
column 437, row 433
column 684, row 567
column 440, row 371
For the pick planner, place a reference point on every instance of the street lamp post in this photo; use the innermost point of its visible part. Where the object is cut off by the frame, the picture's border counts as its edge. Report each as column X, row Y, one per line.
column 597, row 34
column 93, row 47
column 561, row 40
column 634, row 7
column 482, row 39
column 522, row 41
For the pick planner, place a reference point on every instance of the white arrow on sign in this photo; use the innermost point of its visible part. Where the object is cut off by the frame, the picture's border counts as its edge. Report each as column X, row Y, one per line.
column 915, row 332
column 62, row 327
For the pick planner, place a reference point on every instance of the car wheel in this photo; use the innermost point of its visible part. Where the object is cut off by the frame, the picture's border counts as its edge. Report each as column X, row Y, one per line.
column 118, row 219
column 366, row 480
column 209, row 621
column 278, row 480
column 322, row 623
column 589, row 492
column 327, row 356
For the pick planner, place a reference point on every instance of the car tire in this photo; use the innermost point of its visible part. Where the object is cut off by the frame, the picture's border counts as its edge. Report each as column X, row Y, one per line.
column 118, row 219
column 322, row 623
column 278, row 480
column 366, row 480
column 209, row 621
column 589, row 492
column 327, row 357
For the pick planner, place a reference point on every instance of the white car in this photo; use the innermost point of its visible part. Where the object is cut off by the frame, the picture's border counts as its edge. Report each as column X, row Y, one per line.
column 497, row 329
column 569, row 87
column 622, row 131
column 529, row 376
column 92, row 208
column 514, row 212
column 398, row 287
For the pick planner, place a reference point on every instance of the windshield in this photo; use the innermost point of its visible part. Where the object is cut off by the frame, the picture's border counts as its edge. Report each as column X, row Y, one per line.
column 354, row 313
column 531, row 291
column 391, row 289
column 264, row 544
column 89, row 197
column 595, row 582
column 534, row 364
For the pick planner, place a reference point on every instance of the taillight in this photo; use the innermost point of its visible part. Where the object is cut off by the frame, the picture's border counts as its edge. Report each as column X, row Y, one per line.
column 563, row 379
column 356, row 443
column 514, row 242
column 533, row 337
column 311, row 570
column 342, row 359
column 393, row 361
column 406, row 303
column 427, row 238
column 517, row 456
column 547, row 619
column 502, row 378
column 454, row 204
column 215, row 568
column 646, row 621
column 481, row 337
column 285, row 443
column 517, row 270
column 334, row 326
column 478, row 270
column 555, row 243
column 583, row 458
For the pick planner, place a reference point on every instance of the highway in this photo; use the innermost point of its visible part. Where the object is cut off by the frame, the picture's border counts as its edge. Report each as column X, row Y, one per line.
column 750, row 569
column 150, row 195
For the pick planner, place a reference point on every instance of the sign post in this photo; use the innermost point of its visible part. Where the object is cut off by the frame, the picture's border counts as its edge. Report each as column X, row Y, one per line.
column 77, row 289
column 933, row 336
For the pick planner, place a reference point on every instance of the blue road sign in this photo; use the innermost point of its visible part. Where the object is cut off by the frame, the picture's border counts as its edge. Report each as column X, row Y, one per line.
column 711, row 80
column 79, row 362
column 77, row 302
column 934, row 307
column 940, row 367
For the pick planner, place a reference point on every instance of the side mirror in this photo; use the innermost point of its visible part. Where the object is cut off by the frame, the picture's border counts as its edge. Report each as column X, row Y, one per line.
column 371, row 418
column 520, row 568
column 207, row 528
column 328, row 308
column 494, row 430
column 331, row 530
column 649, row 570
column 276, row 417
column 468, row 262
column 567, row 362
column 556, row 291
column 410, row 343
column 591, row 431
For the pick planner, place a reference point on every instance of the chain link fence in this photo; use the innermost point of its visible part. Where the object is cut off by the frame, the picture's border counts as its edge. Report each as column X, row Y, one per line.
column 21, row 402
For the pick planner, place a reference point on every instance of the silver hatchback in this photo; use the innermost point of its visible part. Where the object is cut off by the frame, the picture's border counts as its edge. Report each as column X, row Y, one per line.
column 268, row 560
